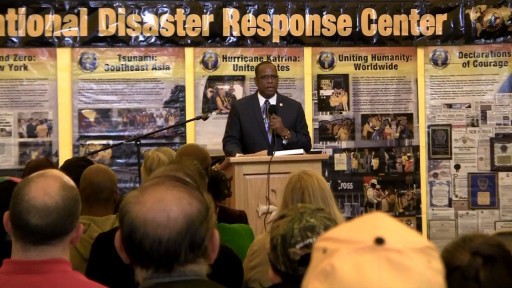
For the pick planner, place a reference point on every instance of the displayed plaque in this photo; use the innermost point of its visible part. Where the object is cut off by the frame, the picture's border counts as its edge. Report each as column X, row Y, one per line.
column 483, row 190
column 440, row 142
column 501, row 153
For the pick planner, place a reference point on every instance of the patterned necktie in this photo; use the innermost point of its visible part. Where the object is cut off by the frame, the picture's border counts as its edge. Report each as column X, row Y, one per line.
column 266, row 118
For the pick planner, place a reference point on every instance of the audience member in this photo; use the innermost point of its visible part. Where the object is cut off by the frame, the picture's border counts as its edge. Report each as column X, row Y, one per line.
column 105, row 265
column 227, row 268
column 6, row 188
column 506, row 237
column 74, row 167
column 99, row 195
column 219, row 186
column 7, row 185
column 477, row 261
column 374, row 250
column 43, row 222
column 302, row 187
column 36, row 165
column 195, row 152
column 166, row 255
column 154, row 159
column 292, row 236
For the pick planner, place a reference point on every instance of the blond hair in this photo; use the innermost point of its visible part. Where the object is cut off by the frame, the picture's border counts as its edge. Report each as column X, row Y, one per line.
column 309, row 187
column 154, row 159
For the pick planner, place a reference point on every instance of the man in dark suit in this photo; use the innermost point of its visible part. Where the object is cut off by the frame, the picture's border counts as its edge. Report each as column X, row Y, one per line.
column 245, row 129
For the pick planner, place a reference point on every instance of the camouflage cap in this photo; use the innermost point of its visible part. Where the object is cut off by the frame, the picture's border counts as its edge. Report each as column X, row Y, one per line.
column 292, row 236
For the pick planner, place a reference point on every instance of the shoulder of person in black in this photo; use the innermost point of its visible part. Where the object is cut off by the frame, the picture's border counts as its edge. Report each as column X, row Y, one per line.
column 106, row 267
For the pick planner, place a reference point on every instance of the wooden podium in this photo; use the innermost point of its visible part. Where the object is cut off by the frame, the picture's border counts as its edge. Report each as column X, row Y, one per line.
column 252, row 180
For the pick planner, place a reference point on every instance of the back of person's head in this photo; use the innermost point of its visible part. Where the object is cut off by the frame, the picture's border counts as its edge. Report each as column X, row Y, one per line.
column 292, row 236
column 36, row 165
column 98, row 187
column 506, row 237
column 374, row 250
column 219, row 185
column 186, row 168
column 167, row 224
column 197, row 153
column 74, row 167
column 477, row 261
column 154, row 159
column 309, row 187
column 44, row 208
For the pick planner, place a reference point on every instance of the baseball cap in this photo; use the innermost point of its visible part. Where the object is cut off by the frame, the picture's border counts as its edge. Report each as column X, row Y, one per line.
column 374, row 250
column 373, row 181
column 292, row 235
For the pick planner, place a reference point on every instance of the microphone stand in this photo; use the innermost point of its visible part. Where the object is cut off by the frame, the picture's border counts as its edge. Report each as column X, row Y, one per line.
column 137, row 139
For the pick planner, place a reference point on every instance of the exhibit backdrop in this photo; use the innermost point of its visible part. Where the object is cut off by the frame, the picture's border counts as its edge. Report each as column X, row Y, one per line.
column 122, row 96
column 28, row 106
column 354, row 63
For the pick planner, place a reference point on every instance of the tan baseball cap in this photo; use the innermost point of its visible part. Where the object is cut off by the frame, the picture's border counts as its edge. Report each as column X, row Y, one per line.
column 374, row 250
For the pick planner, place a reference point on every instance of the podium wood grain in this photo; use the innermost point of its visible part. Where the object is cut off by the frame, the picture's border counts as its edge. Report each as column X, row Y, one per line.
column 251, row 181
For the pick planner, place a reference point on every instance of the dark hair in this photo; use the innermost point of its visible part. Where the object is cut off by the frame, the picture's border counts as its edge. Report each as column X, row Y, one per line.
column 219, row 186
column 36, row 165
column 477, row 260
column 38, row 222
column 261, row 64
column 74, row 167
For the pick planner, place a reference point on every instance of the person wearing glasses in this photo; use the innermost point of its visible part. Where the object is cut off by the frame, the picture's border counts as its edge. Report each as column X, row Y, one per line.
column 246, row 131
column 209, row 101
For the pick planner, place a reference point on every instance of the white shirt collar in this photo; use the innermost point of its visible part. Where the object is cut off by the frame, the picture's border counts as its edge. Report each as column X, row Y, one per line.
column 272, row 100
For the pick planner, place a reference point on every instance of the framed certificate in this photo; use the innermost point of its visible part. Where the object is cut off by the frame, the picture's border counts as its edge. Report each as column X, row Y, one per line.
column 483, row 190
column 440, row 142
column 501, row 153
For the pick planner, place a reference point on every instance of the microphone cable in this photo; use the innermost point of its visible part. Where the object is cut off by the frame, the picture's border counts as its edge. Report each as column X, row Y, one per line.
column 271, row 109
column 267, row 196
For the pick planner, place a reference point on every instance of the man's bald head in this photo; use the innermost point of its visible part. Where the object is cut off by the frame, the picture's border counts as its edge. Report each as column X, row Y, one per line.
column 44, row 208
column 166, row 223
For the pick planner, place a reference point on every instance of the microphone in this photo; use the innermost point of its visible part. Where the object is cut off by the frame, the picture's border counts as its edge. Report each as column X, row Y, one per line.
column 203, row 117
column 272, row 109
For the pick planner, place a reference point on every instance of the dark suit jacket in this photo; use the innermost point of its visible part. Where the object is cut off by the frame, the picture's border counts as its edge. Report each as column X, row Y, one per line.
column 231, row 216
column 245, row 132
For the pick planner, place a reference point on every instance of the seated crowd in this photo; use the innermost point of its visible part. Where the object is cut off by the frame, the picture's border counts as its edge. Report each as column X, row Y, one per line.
column 68, row 226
